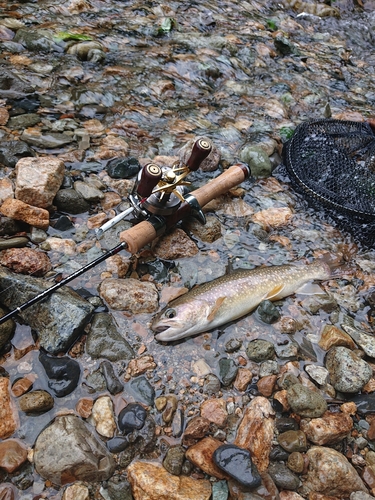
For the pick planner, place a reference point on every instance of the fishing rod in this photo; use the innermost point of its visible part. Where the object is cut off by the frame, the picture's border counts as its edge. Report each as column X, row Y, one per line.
column 161, row 198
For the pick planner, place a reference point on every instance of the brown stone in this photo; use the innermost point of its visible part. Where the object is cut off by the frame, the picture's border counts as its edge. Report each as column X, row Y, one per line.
column 243, row 379
column 266, row 385
column 4, row 115
column 333, row 337
column 110, row 200
column 21, row 386
column 36, row 401
column 290, row 495
column 215, row 410
column 256, row 431
column 7, row 491
column 328, row 429
column 8, row 415
column 368, row 476
column 141, row 365
column 282, row 398
column 196, row 429
column 175, row 245
column 12, row 455
column 84, row 407
column 201, row 454
column 26, row 261
column 6, row 189
column 273, row 217
column 18, row 210
column 150, row 481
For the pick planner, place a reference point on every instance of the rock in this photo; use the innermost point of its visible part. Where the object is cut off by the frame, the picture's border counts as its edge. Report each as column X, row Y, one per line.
column 18, row 210
column 119, row 488
column 363, row 339
column 296, row 462
column 12, row 151
column 266, row 385
column 348, row 372
column 36, row 402
column 290, row 495
column 8, row 413
column 227, row 371
column 317, row 373
column 113, row 384
column 212, row 384
column 63, row 374
column 84, row 407
column 360, row 495
column 26, row 261
column 66, row 246
column 273, row 217
column 283, row 477
column 140, row 365
column 6, row 189
column 142, row 389
column 201, row 455
column 175, row 245
column 150, row 481
column 268, row 312
column 243, row 379
column 38, row 180
column 209, row 232
column 12, row 455
column 328, row 429
column 21, row 386
column 123, row 168
column 76, row 491
column 174, row 460
column 255, row 431
column 260, row 350
column 49, row 140
column 237, row 463
column 24, row 121
column 104, row 341
column 129, row 295
column 365, row 403
column 58, row 321
column 210, row 163
column 102, row 417
column 330, row 473
column 117, row 444
column 258, row 161
column 305, row 402
column 132, row 417
column 6, row 329
column 293, row 441
column 332, row 336
column 88, row 193
column 67, row 451
column 196, row 429
column 70, row 201
column 215, row 410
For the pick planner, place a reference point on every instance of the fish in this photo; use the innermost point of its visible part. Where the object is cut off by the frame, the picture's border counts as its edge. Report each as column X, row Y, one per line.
column 235, row 295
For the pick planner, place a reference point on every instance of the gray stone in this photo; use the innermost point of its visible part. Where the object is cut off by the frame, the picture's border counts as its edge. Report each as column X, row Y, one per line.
column 283, row 477
column 6, row 329
column 68, row 200
column 58, row 320
column 348, row 372
column 45, row 139
column 89, row 193
column 260, row 350
column 68, row 451
column 104, row 341
column 306, row 402
column 12, row 151
column 257, row 160
column 24, row 121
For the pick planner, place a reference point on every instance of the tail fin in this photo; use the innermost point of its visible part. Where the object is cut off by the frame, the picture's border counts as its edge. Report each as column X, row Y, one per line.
column 337, row 265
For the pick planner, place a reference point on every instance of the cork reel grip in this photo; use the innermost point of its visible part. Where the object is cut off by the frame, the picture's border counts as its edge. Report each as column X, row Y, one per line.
column 144, row 233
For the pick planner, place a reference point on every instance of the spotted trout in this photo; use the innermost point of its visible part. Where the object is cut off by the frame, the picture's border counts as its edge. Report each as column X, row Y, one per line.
column 232, row 296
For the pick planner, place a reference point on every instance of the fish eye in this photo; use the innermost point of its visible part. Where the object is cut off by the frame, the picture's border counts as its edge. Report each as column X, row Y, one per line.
column 170, row 313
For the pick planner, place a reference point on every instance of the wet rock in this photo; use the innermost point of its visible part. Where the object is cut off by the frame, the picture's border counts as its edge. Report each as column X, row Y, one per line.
column 212, row 384
column 104, row 340
column 13, row 87
column 215, row 411
column 6, row 330
column 175, row 245
column 174, row 459
column 269, row 367
column 363, row 339
column 305, row 402
column 95, row 382
column 315, row 303
column 12, row 151
column 132, row 417
column 129, row 295
column 65, row 246
column 58, row 321
column 38, row 401
column 278, row 454
column 102, row 417
column 255, row 431
column 117, row 444
column 266, row 385
column 196, row 429
column 140, row 365
column 84, row 407
column 9, row 226
column 113, row 384
column 150, row 481
column 67, row 451
column 333, row 337
column 296, row 462
column 227, row 371
column 233, row 345
column 210, row 163
column 88, row 193
column 143, row 390
column 119, row 488
column 49, row 140
column 257, row 160
column 20, row 211
column 289, row 350
column 348, row 372
column 21, row 386
column 293, row 441
column 285, row 424
column 6, row 189
column 70, row 201
column 16, row 242
column 209, row 232
column 330, row 473
column 36, row 40
column 38, row 180
column 330, row 428
column 283, row 477
column 243, row 379
column 76, row 491
column 237, row 463
column 140, row 441
column 8, row 413
column 360, row 495
column 273, row 217
column 260, row 350
column 7, row 491
column 26, row 261
column 317, row 373
column 268, row 312
column 169, row 408
column 4, row 116
column 24, row 121
column 123, row 168
column 12, row 455
column 201, row 455
column 63, row 374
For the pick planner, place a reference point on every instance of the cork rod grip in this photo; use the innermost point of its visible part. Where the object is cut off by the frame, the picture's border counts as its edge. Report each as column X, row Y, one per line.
column 219, row 186
column 138, row 236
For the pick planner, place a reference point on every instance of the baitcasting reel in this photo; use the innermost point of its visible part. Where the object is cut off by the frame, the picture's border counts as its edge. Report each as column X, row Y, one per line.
column 161, row 190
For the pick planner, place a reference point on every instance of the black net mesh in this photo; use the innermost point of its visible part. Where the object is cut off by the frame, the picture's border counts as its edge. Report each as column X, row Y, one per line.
column 332, row 163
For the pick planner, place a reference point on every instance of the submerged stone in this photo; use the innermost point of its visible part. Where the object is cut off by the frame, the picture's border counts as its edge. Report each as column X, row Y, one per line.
column 132, row 417
column 123, row 168
column 63, row 374
column 237, row 463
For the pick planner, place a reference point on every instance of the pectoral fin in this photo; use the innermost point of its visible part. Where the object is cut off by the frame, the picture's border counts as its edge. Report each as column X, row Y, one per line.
column 215, row 308
column 272, row 294
column 310, row 289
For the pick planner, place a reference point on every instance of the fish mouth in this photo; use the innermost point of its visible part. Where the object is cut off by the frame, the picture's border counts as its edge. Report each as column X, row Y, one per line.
column 160, row 329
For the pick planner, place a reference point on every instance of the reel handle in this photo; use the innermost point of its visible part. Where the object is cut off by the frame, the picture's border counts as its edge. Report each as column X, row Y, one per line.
column 145, row 232
column 201, row 149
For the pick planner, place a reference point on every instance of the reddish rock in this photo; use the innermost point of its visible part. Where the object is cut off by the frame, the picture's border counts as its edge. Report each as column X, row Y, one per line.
column 18, row 210
column 266, row 385
column 273, row 217
column 201, row 454
column 328, row 429
column 129, row 295
column 196, row 429
column 84, row 407
column 12, row 455
column 333, row 337
column 8, row 415
column 26, row 261
column 215, row 410
column 175, row 245
column 6, row 189
column 243, row 379
column 21, row 386
column 7, row 491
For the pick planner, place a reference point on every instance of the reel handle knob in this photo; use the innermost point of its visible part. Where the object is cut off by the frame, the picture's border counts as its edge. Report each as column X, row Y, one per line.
column 150, row 175
column 201, row 149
